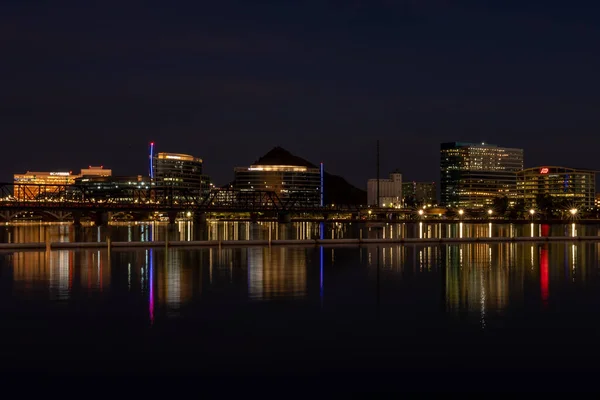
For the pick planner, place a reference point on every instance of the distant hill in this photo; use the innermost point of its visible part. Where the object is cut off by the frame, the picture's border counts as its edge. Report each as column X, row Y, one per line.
column 337, row 189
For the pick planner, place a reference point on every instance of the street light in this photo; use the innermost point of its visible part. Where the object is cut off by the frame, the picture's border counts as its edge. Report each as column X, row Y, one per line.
column 461, row 212
column 490, row 212
column 532, row 213
column 421, row 212
column 573, row 211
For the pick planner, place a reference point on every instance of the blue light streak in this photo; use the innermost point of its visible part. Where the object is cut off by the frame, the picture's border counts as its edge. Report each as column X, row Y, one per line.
column 151, row 286
column 322, row 236
column 151, row 159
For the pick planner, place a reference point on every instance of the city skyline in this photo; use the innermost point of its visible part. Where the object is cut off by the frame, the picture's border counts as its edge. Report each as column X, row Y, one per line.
column 234, row 78
column 407, row 175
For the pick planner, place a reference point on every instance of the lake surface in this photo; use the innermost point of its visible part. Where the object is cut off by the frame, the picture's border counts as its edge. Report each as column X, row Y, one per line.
column 451, row 317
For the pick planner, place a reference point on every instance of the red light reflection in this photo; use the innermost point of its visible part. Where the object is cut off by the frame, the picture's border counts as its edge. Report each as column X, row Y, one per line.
column 544, row 274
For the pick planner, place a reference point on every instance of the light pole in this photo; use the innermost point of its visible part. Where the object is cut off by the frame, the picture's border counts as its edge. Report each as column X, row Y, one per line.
column 532, row 213
column 490, row 212
column 461, row 212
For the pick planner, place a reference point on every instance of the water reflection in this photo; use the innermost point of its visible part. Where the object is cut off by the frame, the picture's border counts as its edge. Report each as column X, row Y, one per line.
column 478, row 281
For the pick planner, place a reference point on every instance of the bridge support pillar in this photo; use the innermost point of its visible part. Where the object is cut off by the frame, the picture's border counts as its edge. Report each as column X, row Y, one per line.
column 78, row 233
column 100, row 218
column 77, row 218
column 172, row 217
column 284, row 217
column 199, row 218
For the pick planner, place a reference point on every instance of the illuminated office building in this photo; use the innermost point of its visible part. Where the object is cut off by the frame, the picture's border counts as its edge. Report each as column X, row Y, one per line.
column 37, row 185
column 419, row 193
column 472, row 175
column 299, row 184
column 179, row 174
column 567, row 186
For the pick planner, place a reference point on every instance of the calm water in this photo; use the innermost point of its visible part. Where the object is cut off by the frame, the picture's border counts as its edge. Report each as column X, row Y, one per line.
column 219, row 230
column 491, row 316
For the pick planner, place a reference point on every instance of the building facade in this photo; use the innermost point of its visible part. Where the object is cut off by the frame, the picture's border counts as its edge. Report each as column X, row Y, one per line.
column 390, row 191
column 179, row 176
column 32, row 186
column 123, row 189
column 419, row 194
column 567, row 187
column 472, row 175
column 299, row 185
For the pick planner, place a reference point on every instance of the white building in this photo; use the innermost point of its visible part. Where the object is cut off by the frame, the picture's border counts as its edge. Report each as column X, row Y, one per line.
column 390, row 191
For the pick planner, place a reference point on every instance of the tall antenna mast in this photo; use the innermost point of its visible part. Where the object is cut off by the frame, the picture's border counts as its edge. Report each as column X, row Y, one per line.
column 377, row 173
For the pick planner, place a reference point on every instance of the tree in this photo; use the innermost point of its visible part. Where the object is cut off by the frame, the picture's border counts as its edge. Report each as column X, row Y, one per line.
column 500, row 205
column 545, row 204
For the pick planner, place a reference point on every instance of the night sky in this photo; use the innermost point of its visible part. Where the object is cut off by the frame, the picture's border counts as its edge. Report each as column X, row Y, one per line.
column 92, row 83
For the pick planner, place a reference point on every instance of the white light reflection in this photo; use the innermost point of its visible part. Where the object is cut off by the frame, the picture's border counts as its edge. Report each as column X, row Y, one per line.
column 531, row 257
column 420, row 230
column 532, row 234
column 460, row 230
column 573, row 230
column 210, row 265
column 490, row 229
column 482, row 301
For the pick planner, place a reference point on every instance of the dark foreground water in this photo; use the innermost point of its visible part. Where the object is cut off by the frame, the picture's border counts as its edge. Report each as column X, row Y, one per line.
column 452, row 317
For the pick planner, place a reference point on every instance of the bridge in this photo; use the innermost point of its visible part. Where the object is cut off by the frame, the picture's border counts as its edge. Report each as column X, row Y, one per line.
column 74, row 202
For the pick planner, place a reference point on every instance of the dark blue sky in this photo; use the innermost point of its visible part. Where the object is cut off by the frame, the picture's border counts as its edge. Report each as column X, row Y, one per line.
column 93, row 82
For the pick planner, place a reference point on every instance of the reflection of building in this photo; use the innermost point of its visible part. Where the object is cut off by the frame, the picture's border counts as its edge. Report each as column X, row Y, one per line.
column 30, row 267
column 390, row 191
column 419, row 193
column 574, row 187
column 472, row 175
column 94, row 270
column 116, row 188
column 179, row 174
column 39, row 270
column 477, row 278
column 299, row 184
column 27, row 184
column 277, row 272
column 174, row 281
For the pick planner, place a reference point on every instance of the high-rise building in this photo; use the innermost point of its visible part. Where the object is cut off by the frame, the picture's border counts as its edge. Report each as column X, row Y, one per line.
column 179, row 176
column 299, row 184
column 390, row 191
column 472, row 175
column 567, row 187
column 419, row 193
